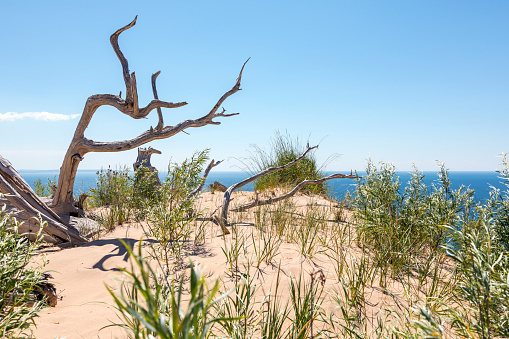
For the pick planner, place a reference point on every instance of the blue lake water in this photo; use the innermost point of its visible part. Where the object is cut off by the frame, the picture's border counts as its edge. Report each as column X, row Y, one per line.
column 481, row 182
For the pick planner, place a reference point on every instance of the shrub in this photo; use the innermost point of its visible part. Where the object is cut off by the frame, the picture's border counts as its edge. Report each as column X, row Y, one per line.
column 484, row 280
column 173, row 215
column 404, row 227
column 112, row 187
column 480, row 248
column 498, row 208
column 145, row 191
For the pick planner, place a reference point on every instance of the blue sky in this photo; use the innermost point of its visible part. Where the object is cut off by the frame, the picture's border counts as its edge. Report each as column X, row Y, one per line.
column 401, row 81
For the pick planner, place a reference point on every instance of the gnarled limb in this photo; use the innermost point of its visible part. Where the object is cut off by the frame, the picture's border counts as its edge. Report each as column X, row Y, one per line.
column 297, row 188
column 62, row 201
column 229, row 191
column 160, row 124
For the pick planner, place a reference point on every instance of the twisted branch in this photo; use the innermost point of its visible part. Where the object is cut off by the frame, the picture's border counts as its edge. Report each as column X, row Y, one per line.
column 229, row 191
column 198, row 189
column 129, row 79
column 160, row 124
column 167, row 131
column 297, row 188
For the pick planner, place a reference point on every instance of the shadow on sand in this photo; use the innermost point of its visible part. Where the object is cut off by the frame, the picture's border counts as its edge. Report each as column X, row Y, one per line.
column 119, row 251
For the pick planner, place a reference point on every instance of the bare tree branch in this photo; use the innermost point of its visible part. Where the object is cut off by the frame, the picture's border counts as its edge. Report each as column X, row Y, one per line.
column 205, row 175
column 160, row 124
column 130, row 87
column 168, row 131
column 297, row 188
column 229, row 191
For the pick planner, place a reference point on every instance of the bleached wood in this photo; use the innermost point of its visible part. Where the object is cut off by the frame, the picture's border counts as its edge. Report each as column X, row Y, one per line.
column 297, row 188
column 28, row 205
column 160, row 124
column 63, row 201
column 229, row 191
column 143, row 159
column 198, row 189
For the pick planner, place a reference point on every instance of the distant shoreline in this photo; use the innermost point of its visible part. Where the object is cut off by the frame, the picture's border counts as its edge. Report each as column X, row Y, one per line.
column 480, row 181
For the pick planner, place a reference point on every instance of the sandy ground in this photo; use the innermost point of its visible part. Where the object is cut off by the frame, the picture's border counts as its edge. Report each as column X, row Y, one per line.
column 82, row 273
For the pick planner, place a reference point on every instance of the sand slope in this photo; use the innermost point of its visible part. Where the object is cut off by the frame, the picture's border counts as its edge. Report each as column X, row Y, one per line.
column 82, row 273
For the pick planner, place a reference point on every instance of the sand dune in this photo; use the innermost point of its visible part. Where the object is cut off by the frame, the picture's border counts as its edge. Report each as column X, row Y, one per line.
column 81, row 273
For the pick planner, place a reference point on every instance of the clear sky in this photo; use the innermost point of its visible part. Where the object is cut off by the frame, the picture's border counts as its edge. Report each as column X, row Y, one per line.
column 408, row 82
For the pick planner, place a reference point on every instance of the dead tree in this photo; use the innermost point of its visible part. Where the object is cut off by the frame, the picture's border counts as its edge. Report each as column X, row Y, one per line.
column 143, row 160
column 223, row 219
column 63, row 201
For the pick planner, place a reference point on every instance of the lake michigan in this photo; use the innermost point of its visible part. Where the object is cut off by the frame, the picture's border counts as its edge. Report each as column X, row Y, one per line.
column 481, row 182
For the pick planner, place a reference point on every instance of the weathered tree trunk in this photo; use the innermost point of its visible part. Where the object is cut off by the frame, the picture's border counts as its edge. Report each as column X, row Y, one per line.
column 143, row 160
column 29, row 206
column 63, row 201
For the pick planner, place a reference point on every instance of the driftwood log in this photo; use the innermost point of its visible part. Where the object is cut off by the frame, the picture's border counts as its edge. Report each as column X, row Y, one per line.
column 223, row 219
column 297, row 188
column 27, row 206
column 63, row 201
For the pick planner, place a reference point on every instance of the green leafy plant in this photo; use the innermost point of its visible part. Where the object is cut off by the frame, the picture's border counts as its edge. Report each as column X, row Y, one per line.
column 145, row 191
column 18, row 281
column 173, row 215
column 45, row 190
column 274, row 314
column 237, row 309
column 484, row 279
column 305, row 302
column 112, row 187
column 155, row 308
column 403, row 228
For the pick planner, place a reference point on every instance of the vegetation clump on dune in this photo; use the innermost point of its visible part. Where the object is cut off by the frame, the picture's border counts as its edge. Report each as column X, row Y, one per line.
column 283, row 150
